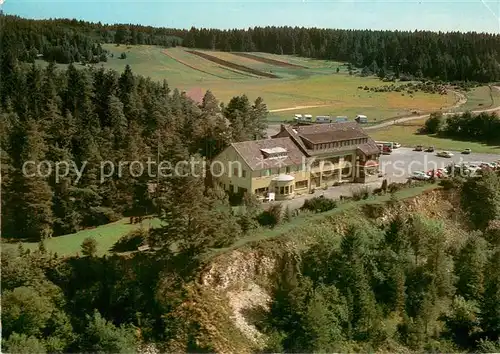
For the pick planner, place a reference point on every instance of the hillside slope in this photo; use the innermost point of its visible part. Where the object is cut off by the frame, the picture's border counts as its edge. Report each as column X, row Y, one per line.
column 235, row 287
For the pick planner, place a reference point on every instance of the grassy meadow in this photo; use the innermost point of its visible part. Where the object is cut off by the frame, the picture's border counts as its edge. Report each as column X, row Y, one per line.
column 318, row 84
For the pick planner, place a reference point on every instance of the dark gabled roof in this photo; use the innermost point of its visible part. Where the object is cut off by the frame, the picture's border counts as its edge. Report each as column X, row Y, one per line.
column 369, row 148
column 250, row 152
column 333, row 135
column 337, row 131
column 325, row 133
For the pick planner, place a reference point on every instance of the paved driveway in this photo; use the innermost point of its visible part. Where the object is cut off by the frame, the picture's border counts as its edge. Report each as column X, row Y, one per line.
column 403, row 161
column 396, row 167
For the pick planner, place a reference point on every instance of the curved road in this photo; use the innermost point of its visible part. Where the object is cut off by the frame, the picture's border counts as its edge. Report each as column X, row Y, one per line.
column 274, row 129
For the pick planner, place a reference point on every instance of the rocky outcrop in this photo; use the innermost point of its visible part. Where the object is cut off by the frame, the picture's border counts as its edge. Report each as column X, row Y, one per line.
column 237, row 268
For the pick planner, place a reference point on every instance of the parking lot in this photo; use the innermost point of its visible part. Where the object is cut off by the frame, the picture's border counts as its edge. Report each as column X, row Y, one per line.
column 399, row 165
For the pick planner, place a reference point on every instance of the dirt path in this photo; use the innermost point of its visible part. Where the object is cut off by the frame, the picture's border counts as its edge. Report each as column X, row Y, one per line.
column 298, row 107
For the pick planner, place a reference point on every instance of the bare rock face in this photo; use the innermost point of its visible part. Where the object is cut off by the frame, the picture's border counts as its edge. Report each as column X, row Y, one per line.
column 236, row 269
column 236, row 276
column 251, row 299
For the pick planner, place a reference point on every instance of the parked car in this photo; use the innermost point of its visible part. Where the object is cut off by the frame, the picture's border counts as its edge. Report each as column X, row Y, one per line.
column 396, row 145
column 430, row 149
column 420, row 176
column 444, row 154
column 467, row 151
column 419, row 148
column 488, row 165
column 439, row 173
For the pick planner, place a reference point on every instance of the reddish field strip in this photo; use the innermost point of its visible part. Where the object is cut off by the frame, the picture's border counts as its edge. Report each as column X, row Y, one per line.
column 232, row 65
column 190, row 66
column 270, row 61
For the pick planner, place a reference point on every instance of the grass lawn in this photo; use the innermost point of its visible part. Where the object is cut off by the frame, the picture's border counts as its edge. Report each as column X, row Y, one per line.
column 106, row 236
column 407, row 135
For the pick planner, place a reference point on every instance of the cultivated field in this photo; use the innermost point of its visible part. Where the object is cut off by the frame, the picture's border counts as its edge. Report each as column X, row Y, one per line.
column 283, row 81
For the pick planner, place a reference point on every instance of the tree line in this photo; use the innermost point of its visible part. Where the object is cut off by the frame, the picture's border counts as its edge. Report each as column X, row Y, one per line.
column 89, row 116
column 67, row 41
column 445, row 56
column 451, row 56
column 483, row 127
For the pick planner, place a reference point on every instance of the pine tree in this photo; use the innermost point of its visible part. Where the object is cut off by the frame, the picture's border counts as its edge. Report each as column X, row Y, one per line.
column 490, row 303
column 469, row 268
column 259, row 119
column 33, row 206
column 118, row 121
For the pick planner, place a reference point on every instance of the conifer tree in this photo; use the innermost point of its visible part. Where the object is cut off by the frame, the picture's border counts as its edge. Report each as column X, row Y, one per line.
column 470, row 265
column 33, row 197
column 490, row 303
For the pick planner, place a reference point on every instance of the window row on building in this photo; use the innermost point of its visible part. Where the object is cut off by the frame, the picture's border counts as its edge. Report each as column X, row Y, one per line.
column 338, row 144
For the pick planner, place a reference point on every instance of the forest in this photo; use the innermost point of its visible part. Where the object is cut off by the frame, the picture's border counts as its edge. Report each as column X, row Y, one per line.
column 442, row 56
column 451, row 56
column 89, row 116
column 409, row 284
column 71, row 41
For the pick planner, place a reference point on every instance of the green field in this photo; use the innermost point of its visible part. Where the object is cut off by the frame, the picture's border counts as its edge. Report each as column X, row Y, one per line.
column 106, row 236
column 408, row 135
column 318, row 84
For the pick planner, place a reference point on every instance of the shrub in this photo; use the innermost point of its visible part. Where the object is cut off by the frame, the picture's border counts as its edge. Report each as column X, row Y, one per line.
column 394, row 187
column 123, row 56
column 89, row 247
column 100, row 216
column 319, row 204
column 361, row 193
column 448, row 184
column 434, row 124
column 384, row 186
column 271, row 217
column 131, row 241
